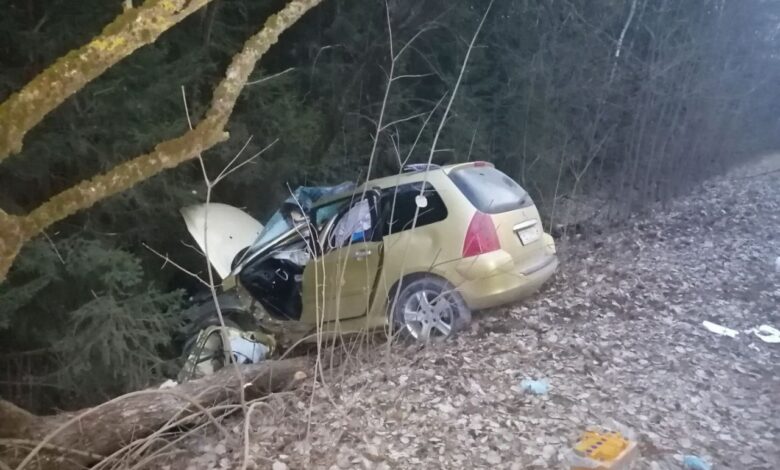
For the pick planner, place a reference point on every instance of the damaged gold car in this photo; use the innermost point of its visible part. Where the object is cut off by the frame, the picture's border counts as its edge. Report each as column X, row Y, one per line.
column 415, row 252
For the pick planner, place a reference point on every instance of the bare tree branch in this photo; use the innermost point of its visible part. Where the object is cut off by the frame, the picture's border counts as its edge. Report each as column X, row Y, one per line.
column 16, row 230
column 270, row 77
column 619, row 47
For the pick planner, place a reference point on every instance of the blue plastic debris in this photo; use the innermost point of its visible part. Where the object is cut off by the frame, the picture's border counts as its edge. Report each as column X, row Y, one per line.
column 693, row 462
column 536, row 387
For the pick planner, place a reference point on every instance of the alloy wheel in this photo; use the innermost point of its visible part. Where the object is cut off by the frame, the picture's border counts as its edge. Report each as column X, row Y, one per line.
column 429, row 315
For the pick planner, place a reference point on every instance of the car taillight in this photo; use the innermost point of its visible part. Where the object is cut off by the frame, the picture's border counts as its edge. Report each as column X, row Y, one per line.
column 481, row 236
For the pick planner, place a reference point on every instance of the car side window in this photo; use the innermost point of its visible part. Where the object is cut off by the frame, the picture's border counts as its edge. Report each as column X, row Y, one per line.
column 399, row 205
column 353, row 226
column 347, row 222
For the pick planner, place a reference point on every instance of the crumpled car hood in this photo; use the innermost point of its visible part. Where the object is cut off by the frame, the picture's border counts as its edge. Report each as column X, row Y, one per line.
column 229, row 231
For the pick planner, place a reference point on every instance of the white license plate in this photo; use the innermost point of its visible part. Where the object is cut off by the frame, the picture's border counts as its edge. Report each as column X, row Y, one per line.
column 529, row 235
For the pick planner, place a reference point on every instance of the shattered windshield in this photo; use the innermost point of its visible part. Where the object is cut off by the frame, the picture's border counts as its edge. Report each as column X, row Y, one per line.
column 304, row 197
column 324, row 213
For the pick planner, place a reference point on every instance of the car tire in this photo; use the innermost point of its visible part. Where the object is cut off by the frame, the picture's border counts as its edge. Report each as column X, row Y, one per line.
column 429, row 309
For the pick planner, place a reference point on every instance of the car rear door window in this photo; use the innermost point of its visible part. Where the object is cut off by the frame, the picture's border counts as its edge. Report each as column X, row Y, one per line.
column 399, row 205
column 490, row 190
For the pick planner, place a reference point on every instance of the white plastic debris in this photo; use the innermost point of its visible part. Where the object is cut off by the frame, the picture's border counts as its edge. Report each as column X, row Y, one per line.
column 777, row 264
column 278, row 465
column 168, row 384
column 720, row 330
column 693, row 462
column 246, row 351
column 767, row 334
column 535, row 387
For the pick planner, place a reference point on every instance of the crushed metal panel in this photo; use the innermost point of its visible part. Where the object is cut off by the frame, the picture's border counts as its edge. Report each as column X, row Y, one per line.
column 208, row 355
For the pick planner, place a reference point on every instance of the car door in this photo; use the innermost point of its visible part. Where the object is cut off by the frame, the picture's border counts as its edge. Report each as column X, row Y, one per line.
column 338, row 283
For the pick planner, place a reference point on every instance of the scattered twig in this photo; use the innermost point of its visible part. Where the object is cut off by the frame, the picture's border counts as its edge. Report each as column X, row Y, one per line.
column 167, row 260
column 31, row 444
column 270, row 77
column 54, row 247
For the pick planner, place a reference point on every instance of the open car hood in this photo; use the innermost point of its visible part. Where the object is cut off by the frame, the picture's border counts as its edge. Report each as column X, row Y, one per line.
column 229, row 231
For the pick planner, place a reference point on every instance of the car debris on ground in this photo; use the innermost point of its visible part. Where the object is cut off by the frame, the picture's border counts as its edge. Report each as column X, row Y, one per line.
column 535, row 387
column 611, row 447
column 719, row 329
column 693, row 462
column 767, row 334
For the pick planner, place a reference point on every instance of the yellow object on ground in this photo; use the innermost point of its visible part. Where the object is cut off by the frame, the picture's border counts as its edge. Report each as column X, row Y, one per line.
column 604, row 447
column 605, row 451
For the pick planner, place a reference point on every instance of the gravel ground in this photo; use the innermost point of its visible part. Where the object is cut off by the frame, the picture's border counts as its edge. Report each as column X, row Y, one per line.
column 618, row 334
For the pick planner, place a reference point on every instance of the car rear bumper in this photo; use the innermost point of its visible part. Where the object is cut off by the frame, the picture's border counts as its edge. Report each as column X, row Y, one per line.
column 509, row 285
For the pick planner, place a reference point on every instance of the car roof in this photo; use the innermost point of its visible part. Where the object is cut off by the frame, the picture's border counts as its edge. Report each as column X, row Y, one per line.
column 399, row 179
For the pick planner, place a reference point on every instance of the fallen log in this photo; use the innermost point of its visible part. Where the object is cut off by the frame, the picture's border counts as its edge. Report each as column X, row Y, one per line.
column 78, row 439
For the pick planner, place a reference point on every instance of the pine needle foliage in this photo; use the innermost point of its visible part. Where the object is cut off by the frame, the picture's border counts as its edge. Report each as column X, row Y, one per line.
column 100, row 328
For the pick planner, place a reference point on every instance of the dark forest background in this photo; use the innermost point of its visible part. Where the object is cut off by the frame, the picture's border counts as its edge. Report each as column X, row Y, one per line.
column 623, row 102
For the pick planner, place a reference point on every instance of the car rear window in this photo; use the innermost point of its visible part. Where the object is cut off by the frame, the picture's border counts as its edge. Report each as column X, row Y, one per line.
column 489, row 190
